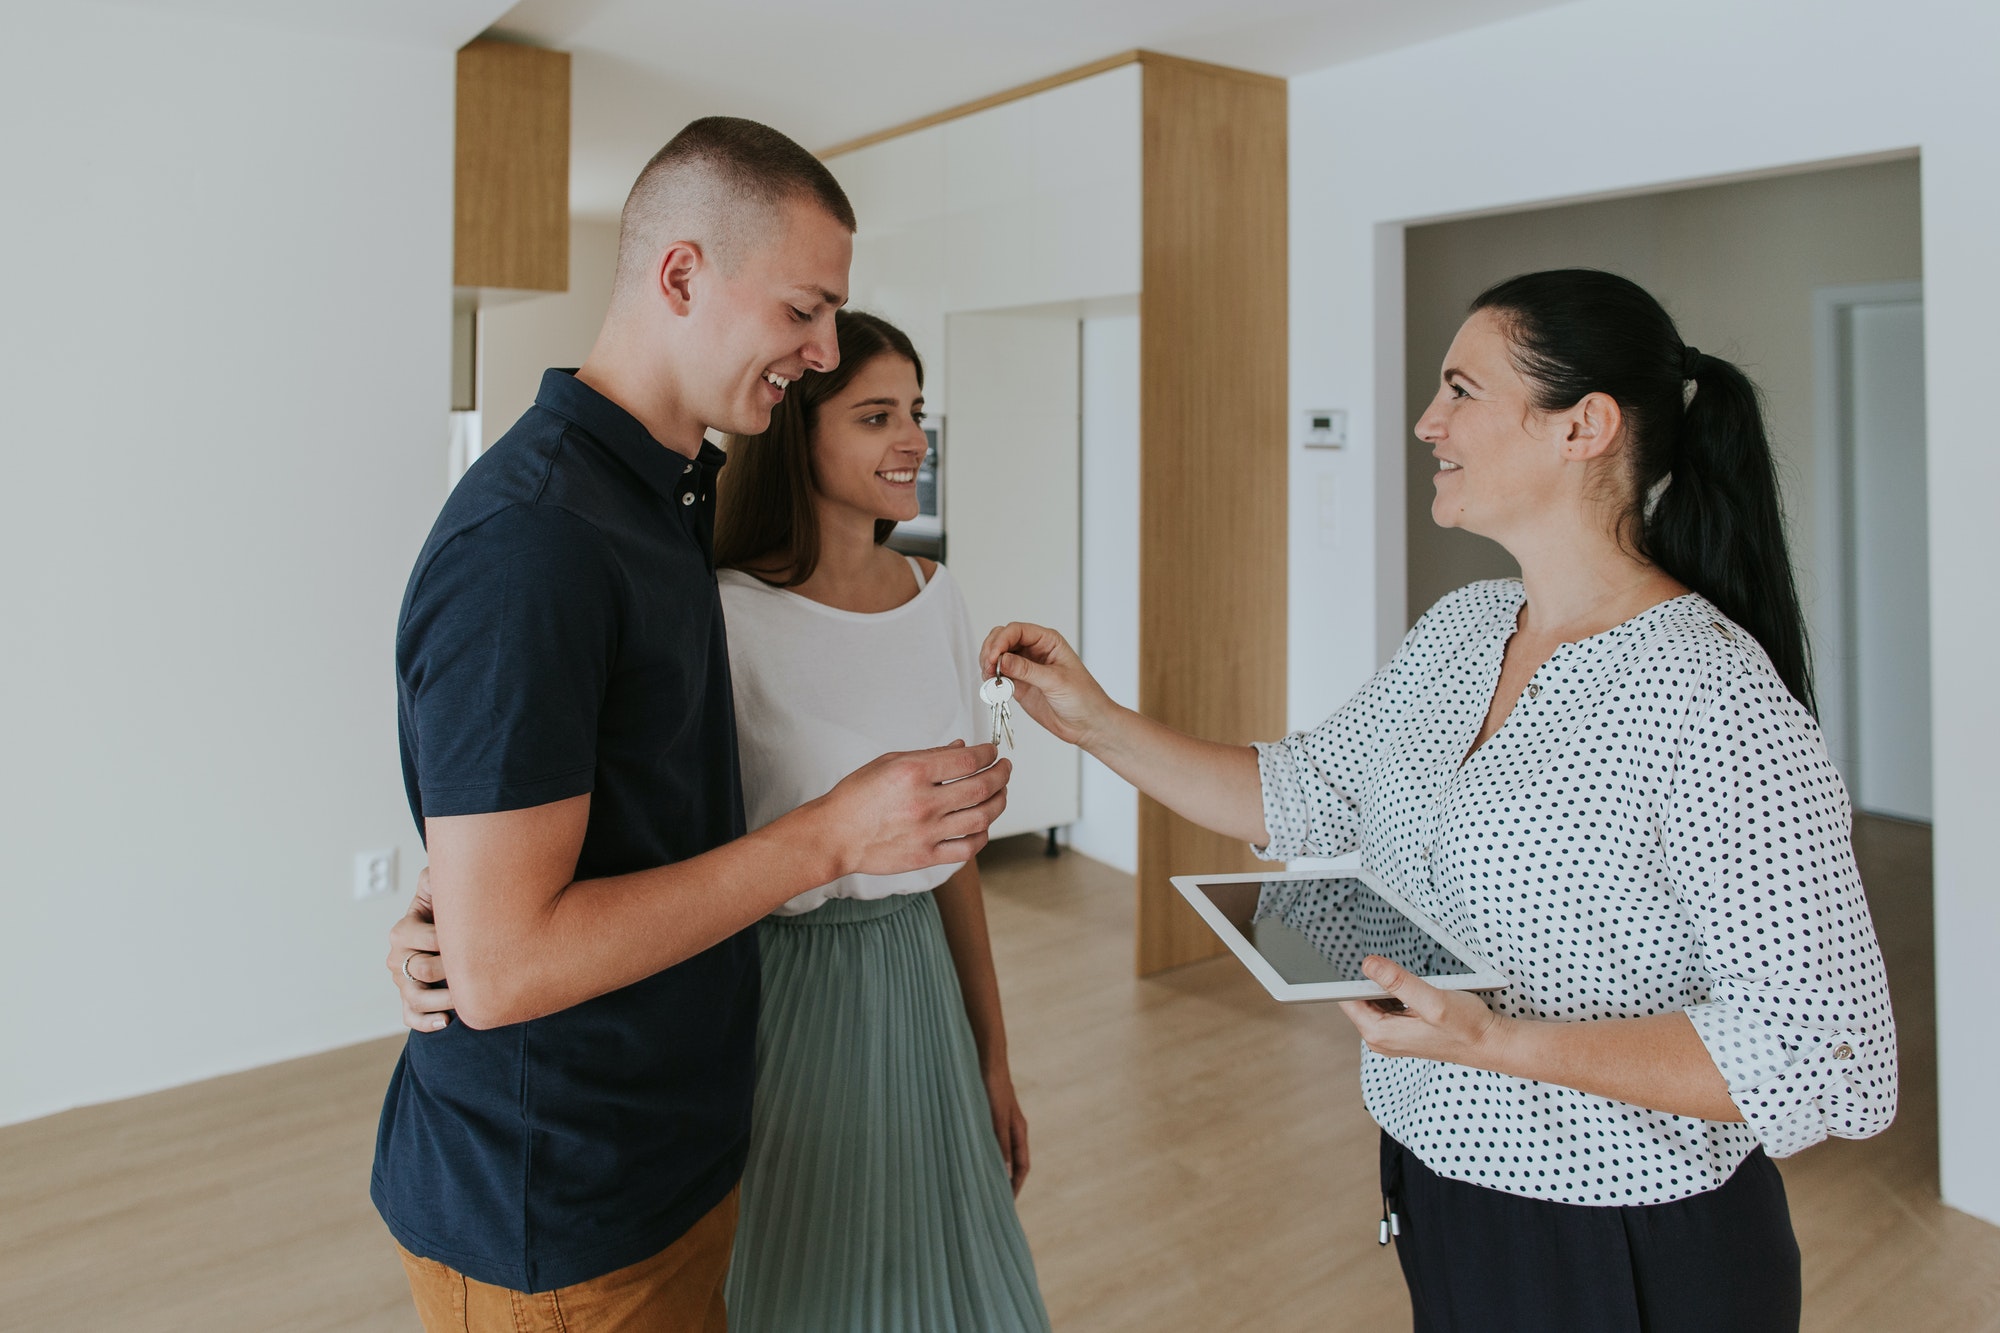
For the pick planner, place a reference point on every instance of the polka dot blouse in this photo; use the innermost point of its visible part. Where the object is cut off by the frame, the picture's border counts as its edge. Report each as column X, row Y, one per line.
column 1657, row 827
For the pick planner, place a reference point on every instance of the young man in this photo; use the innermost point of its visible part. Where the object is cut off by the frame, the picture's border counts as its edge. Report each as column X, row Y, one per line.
column 565, row 1156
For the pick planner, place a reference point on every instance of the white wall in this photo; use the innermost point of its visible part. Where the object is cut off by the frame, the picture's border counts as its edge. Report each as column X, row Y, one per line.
column 225, row 359
column 1109, row 829
column 1612, row 95
column 1031, row 203
column 519, row 339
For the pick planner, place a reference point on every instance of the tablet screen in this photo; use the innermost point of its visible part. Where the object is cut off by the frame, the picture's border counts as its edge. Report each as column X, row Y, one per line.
column 1314, row 930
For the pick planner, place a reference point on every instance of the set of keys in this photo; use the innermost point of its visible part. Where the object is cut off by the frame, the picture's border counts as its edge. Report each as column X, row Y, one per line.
column 996, row 694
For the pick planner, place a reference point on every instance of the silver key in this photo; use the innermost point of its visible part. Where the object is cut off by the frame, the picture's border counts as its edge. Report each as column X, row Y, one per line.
column 995, row 694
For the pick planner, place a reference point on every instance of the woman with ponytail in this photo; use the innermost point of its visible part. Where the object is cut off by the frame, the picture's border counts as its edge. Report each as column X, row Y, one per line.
column 1606, row 777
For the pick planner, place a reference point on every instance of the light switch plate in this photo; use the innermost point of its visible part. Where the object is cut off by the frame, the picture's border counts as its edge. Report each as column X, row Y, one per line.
column 1326, row 428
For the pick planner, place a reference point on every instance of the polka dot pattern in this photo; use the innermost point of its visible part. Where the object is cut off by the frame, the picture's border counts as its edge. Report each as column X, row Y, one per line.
column 1657, row 827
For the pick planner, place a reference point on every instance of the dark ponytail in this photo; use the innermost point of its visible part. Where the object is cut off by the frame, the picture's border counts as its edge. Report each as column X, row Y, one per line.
column 1704, row 499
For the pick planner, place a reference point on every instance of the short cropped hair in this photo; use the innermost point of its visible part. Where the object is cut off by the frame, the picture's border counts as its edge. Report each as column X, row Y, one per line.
column 718, row 182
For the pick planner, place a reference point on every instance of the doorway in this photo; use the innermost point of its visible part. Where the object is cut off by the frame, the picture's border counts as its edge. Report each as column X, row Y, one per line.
column 1740, row 267
column 1873, row 645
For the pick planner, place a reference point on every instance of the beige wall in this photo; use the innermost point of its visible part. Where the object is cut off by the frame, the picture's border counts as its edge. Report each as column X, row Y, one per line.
column 520, row 339
column 1735, row 265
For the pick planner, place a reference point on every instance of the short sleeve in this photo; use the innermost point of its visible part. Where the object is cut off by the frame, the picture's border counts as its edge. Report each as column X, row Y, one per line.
column 503, row 657
column 1757, row 832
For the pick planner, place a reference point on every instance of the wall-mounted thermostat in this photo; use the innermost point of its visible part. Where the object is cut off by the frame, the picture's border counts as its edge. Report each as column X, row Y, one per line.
column 1326, row 428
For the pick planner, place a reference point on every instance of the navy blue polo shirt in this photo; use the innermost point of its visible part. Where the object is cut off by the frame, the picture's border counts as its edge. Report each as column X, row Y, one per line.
column 562, row 634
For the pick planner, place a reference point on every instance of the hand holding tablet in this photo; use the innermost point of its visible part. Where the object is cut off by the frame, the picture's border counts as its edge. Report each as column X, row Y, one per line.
column 1303, row 935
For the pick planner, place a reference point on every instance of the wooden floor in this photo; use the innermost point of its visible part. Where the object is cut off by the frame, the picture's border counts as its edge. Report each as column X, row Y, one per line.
column 1202, row 1160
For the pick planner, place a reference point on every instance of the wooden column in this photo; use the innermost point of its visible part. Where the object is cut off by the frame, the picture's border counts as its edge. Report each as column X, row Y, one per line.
column 512, row 173
column 1213, row 450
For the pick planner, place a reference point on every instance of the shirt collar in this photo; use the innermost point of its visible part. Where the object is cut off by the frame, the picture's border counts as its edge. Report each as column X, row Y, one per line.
column 619, row 432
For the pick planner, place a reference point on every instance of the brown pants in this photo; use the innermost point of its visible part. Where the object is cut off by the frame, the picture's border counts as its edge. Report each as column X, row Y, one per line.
column 678, row 1290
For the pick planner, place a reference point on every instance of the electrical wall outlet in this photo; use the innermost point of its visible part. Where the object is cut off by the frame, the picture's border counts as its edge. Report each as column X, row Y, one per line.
column 374, row 873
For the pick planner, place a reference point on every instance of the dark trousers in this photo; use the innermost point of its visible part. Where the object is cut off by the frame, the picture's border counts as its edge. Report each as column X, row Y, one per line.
column 1481, row 1261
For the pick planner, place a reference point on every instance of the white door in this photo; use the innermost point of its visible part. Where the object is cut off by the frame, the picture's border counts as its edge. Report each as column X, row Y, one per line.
column 1108, row 828
column 1889, row 708
column 1012, row 517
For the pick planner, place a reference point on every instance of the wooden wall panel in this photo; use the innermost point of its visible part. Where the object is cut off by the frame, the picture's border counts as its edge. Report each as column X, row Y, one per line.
column 1213, row 452
column 512, row 173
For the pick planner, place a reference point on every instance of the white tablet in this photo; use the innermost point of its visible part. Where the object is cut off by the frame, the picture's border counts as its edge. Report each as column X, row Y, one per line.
column 1303, row 934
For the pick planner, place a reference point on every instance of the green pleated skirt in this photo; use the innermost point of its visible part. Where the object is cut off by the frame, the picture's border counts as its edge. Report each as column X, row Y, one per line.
column 875, row 1199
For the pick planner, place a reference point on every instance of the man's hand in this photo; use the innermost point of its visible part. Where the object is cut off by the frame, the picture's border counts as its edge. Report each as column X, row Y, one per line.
column 917, row 809
column 526, row 938
column 415, row 966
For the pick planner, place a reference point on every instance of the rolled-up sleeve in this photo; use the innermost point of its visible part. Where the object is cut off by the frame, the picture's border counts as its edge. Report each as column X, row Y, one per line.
column 1757, row 833
column 1314, row 781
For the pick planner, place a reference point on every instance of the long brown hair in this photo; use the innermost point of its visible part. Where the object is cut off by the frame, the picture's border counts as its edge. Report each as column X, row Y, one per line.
column 764, row 515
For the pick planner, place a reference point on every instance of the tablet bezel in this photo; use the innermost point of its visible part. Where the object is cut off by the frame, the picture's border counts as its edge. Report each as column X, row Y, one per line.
column 1484, row 976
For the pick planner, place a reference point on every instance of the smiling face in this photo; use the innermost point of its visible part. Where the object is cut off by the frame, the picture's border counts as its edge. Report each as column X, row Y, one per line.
column 763, row 320
column 1502, row 465
column 868, row 439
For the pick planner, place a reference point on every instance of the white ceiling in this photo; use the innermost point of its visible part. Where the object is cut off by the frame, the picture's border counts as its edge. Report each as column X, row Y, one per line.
column 825, row 73
column 439, row 24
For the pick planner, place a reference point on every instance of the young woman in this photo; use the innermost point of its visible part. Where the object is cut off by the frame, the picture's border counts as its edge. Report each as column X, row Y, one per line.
column 886, row 1133
column 886, row 1141
column 1606, row 777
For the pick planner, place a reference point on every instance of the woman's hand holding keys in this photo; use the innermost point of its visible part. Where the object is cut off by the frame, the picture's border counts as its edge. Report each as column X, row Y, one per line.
column 1212, row 784
column 1050, row 680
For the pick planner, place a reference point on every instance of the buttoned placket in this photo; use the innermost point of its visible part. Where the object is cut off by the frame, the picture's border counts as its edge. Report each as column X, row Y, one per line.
column 1531, row 692
column 696, row 483
column 1464, row 756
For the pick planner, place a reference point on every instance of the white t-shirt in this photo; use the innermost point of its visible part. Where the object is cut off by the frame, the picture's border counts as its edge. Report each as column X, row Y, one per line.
column 821, row 691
